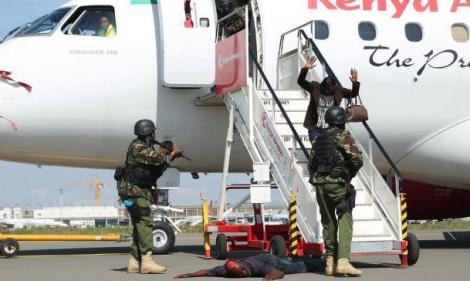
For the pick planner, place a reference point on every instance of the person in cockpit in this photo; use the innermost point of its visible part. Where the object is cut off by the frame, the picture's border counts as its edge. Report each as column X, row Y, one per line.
column 107, row 29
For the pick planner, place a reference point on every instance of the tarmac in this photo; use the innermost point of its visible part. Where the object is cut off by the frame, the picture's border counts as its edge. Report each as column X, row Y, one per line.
column 444, row 255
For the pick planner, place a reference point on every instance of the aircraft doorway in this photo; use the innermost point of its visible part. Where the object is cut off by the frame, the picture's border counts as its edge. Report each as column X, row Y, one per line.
column 231, row 17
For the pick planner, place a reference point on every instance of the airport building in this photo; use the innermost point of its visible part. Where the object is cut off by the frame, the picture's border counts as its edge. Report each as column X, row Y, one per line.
column 83, row 216
column 11, row 213
column 242, row 211
column 90, row 216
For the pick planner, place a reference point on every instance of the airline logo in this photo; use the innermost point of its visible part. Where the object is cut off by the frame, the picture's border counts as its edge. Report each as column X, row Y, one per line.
column 396, row 7
column 231, row 64
column 271, row 135
column 384, row 56
column 223, row 60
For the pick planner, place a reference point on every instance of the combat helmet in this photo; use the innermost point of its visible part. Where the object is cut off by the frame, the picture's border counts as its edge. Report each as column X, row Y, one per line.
column 144, row 128
column 335, row 115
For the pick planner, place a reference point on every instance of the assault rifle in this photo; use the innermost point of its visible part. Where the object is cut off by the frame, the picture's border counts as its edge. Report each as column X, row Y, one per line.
column 169, row 146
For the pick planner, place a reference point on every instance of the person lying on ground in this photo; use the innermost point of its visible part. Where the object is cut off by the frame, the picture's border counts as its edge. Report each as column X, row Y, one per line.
column 267, row 266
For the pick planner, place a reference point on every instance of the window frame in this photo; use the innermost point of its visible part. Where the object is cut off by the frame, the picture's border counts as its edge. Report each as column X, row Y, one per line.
column 420, row 28
column 66, row 16
column 86, row 9
column 315, row 29
column 465, row 26
column 374, row 26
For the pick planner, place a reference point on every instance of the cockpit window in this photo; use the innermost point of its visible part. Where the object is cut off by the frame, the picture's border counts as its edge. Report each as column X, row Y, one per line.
column 92, row 21
column 10, row 34
column 45, row 24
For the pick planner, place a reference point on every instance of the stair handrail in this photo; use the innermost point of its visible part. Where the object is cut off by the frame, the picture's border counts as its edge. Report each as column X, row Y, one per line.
column 279, row 104
column 330, row 73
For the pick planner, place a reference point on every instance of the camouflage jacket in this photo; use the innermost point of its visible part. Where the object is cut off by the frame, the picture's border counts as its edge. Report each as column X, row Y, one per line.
column 142, row 155
column 347, row 152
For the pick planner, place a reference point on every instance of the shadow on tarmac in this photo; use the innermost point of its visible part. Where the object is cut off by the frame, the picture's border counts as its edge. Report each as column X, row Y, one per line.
column 452, row 240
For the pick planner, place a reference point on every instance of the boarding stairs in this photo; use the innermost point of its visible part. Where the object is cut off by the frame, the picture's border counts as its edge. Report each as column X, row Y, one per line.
column 269, row 122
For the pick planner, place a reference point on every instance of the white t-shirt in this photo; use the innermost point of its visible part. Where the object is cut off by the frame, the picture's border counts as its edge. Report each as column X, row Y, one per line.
column 324, row 103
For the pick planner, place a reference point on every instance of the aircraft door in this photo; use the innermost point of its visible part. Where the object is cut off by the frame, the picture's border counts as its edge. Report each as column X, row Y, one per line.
column 292, row 54
column 187, row 42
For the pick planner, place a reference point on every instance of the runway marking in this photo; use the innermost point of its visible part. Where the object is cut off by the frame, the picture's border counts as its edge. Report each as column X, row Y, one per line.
column 451, row 235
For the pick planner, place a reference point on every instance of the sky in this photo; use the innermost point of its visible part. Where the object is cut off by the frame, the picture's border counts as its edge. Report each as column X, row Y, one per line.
column 31, row 186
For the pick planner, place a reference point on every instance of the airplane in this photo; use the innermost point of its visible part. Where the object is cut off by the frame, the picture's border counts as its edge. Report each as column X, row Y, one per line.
column 6, row 225
column 69, row 98
column 22, row 223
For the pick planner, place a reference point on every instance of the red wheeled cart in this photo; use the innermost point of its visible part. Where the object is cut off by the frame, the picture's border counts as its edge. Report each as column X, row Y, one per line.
column 256, row 237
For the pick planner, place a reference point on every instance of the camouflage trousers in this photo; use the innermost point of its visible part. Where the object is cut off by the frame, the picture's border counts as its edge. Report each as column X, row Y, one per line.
column 142, row 222
column 329, row 196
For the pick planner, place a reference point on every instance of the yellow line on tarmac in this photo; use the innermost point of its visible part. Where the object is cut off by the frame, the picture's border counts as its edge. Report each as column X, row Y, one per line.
column 69, row 255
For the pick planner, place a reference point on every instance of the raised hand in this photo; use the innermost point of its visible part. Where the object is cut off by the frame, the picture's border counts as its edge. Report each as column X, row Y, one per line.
column 353, row 76
column 311, row 62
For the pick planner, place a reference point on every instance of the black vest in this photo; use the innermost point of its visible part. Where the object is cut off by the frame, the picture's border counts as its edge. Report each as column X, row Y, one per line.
column 327, row 160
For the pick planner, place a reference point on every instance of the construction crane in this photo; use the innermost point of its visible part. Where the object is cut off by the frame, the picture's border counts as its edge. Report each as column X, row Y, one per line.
column 98, row 185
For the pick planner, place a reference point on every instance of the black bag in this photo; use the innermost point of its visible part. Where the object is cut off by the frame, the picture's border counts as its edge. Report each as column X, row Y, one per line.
column 119, row 173
column 349, row 201
column 352, row 197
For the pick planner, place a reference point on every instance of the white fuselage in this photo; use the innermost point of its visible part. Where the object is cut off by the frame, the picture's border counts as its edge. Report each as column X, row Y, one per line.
column 89, row 91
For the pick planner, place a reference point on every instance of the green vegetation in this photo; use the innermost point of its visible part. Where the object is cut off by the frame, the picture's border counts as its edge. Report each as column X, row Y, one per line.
column 442, row 225
column 192, row 229
column 90, row 230
column 71, row 230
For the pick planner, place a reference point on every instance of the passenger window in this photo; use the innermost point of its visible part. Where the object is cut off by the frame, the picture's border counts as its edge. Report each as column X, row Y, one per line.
column 460, row 32
column 367, row 31
column 322, row 30
column 92, row 21
column 414, row 32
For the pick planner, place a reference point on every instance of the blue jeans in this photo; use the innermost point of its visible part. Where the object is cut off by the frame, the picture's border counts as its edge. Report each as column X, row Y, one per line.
column 313, row 134
column 291, row 266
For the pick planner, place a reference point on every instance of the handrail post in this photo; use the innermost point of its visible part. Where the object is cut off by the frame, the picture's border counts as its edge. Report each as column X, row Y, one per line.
column 251, row 113
column 371, row 162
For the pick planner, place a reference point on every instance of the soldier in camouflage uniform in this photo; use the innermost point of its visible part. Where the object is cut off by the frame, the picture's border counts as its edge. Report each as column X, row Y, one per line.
column 236, row 23
column 144, row 165
column 334, row 161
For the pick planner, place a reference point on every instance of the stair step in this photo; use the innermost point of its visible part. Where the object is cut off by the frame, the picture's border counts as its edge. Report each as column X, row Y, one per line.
column 370, row 227
column 289, row 105
column 363, row 198
column 284, row 129
column 384, row 244
column 283, row 94
column 371, row 236
column 296, row 117
column 365, row 212
column 287, row 138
